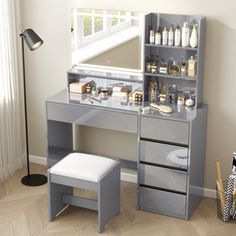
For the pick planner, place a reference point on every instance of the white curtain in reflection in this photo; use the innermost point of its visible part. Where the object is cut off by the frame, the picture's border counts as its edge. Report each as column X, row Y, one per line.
column 11, row 137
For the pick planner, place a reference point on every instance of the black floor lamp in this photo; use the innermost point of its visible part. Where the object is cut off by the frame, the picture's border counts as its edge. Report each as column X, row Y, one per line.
column 33, row 41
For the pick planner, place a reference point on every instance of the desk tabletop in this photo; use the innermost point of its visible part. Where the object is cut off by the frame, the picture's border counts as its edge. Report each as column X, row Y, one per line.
column 118, row 104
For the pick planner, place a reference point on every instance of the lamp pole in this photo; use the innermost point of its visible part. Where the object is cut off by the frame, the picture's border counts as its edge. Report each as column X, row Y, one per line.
column 34, row 42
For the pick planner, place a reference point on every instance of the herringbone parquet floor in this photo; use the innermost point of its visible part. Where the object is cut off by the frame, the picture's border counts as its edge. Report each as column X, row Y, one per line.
column 24, row 212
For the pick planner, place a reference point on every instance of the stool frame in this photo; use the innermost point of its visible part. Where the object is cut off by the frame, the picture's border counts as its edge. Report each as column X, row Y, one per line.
column 60, row 195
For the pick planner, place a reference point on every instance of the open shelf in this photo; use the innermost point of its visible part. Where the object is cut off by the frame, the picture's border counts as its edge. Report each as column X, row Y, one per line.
column 170, row 47
column 172, row 77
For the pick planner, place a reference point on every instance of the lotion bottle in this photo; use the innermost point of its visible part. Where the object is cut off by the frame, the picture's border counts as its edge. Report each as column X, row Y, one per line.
column 194, row 37
column 151, row 37
column 177, row 36
column 164, row 36
column 158, row 38
column 171, row 37
column 185, row 35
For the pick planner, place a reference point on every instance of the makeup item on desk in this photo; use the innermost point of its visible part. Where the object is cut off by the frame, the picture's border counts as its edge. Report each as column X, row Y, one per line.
column 95, row 98
column 103, row 93
column 152, row 90
column 145, row 110
column 189, row 102
column 78, row 87
column 90, row 99
column 180, row 101
column 162, row 97
column 161, row 108
column 94, row 92
column 88, row 88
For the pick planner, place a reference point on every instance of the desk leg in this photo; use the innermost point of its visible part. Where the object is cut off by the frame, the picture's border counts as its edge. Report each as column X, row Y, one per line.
column 60, row 141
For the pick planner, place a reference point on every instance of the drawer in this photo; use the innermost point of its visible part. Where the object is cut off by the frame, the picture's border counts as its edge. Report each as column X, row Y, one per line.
column 163, row 202
column 92, row 117
column 165, row 130
column 163, row 177
column 164, row 154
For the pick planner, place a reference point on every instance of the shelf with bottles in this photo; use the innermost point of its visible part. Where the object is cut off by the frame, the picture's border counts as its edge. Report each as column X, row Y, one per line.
column 170, row 47
column 176, row 69
column 163, row 90
column 180, row 31
column 194, row 79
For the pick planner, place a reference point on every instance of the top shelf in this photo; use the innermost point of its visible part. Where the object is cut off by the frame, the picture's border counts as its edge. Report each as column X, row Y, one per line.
column 171, row 47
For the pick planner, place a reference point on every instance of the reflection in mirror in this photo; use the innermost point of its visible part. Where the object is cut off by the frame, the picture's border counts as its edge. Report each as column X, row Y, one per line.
column 110, row 39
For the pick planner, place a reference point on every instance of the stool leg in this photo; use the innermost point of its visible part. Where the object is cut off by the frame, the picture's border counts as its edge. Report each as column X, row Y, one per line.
column 108, row 197
column 55, row 192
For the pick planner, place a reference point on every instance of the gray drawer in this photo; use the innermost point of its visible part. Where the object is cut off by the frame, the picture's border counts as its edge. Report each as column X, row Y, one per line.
column 164, row 154
column 165, row 130
column 92, row 117
column 163, row 177
column 162, row 202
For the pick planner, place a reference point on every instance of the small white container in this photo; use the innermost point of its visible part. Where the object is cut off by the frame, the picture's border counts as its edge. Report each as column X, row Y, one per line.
column 185, row 35
column 164, row 36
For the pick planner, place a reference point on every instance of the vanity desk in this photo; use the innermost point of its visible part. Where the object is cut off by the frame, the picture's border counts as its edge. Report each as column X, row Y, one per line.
column 171, row 147
column 171, row 154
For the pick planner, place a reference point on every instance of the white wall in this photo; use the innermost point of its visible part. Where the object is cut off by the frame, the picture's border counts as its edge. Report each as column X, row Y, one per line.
column 46, row 67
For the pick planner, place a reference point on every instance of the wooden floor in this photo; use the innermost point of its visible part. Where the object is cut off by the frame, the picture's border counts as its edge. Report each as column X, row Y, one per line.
column 24, row 211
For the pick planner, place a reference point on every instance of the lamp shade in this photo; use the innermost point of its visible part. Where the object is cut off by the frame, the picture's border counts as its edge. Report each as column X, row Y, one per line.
column 32, row 39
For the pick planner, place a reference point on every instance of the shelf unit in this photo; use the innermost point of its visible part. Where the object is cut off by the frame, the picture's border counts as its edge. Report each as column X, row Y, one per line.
column 155, row 21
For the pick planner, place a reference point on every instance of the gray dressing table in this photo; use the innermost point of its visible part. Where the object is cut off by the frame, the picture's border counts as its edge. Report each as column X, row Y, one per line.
column 171, row 155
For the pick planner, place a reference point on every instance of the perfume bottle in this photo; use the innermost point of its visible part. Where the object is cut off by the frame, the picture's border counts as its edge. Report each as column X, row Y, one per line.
column 158, row 38
column 174, row 69
column 163, row 68
column 192, row 67
column 152, row 91
column 193, row 37
column 151, row 37
column 177, row 36
column 185, row 35
column 183, row 69
column 164, row 36
column 171, row 37
column 173, row 93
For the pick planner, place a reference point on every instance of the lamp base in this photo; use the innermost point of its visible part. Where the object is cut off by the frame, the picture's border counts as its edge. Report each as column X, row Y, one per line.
column 34, row 180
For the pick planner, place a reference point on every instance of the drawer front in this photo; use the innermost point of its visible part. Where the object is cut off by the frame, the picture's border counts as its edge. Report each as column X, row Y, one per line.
column 165, row 130
column 162, row 202
column 92, row 117
column 164, row 154
column 163, row 177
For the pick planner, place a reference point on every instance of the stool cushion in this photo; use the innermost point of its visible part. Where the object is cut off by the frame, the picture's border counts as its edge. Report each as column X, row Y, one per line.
column 83, row 166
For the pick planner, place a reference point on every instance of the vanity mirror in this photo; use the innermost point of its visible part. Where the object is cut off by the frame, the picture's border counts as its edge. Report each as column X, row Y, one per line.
column 107, row 39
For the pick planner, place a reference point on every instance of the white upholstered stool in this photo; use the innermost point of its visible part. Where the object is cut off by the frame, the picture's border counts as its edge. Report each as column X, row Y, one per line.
column 89, row 172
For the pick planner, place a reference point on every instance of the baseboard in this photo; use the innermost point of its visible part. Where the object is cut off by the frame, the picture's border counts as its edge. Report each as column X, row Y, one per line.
column 38, row 160
column 124, row 176
column 207, row 192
